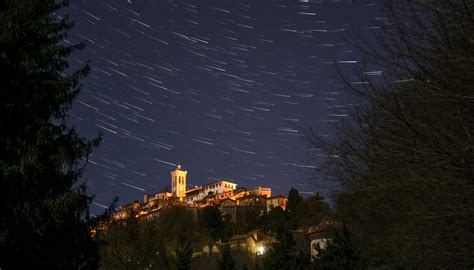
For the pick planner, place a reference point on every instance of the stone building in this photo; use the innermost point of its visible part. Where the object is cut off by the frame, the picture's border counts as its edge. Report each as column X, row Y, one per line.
column 276, row 201
column 178, row 182
column 255, row 242
column 220, row 187
column 319, row 236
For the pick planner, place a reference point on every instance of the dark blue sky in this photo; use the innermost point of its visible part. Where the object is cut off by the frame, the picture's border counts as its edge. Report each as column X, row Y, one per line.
column 218, row 86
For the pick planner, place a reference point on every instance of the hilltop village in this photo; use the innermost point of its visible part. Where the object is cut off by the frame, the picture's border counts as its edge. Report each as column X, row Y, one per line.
column 227, row 196
column 220, row 217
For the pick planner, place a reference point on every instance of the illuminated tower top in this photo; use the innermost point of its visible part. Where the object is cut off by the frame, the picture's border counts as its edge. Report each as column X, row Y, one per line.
column 178, row 182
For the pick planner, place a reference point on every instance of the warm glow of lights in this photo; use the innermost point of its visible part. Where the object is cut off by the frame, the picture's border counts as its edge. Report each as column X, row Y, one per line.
column 260, row 250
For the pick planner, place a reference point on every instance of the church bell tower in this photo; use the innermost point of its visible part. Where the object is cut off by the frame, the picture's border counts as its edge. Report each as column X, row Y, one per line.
column 178, row 182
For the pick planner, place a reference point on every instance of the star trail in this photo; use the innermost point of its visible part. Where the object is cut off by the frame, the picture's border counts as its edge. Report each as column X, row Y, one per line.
column 220, row 87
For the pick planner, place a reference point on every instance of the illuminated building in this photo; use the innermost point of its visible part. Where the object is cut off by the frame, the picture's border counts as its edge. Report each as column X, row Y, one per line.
column 256, row 242
column 276, row 201
column 198, row 193
column 178, row 182
column 230, row 199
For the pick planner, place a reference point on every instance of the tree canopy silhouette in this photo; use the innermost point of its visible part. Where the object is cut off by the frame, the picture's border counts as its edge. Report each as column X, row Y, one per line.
column 43, row 207
column 404, row 158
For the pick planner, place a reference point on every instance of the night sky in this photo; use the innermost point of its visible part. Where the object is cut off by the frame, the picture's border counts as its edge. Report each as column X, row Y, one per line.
column 218, row 86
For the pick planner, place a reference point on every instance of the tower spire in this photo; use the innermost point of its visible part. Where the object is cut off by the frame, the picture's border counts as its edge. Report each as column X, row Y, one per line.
column 178, row 182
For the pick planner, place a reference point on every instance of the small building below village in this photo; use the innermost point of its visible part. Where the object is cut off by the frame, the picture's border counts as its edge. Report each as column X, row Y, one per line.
column 319, row 236
column 255, row 242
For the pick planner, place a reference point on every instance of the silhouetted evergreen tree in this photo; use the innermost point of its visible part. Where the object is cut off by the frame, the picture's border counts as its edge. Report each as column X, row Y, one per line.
column 316, row 209
column 296, row 209
column 43, row 209
column 295, row 200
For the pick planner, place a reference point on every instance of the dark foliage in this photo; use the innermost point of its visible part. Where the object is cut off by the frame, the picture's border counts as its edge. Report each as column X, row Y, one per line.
column 285, row 255
column 316, row 209
column 166, row 242
column 130, row 244
column 248, row 218
column 404, row 158
column 295, row 209
column 295, row 200
column 43, row 208
column 213, row 224
column 226, row 261
column 306, row 211
column 341, row 253
column 275, row 221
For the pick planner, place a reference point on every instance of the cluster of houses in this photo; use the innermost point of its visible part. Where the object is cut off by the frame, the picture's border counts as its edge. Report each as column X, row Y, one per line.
column 257, row 241
column 233, row 202
column 230, row 199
